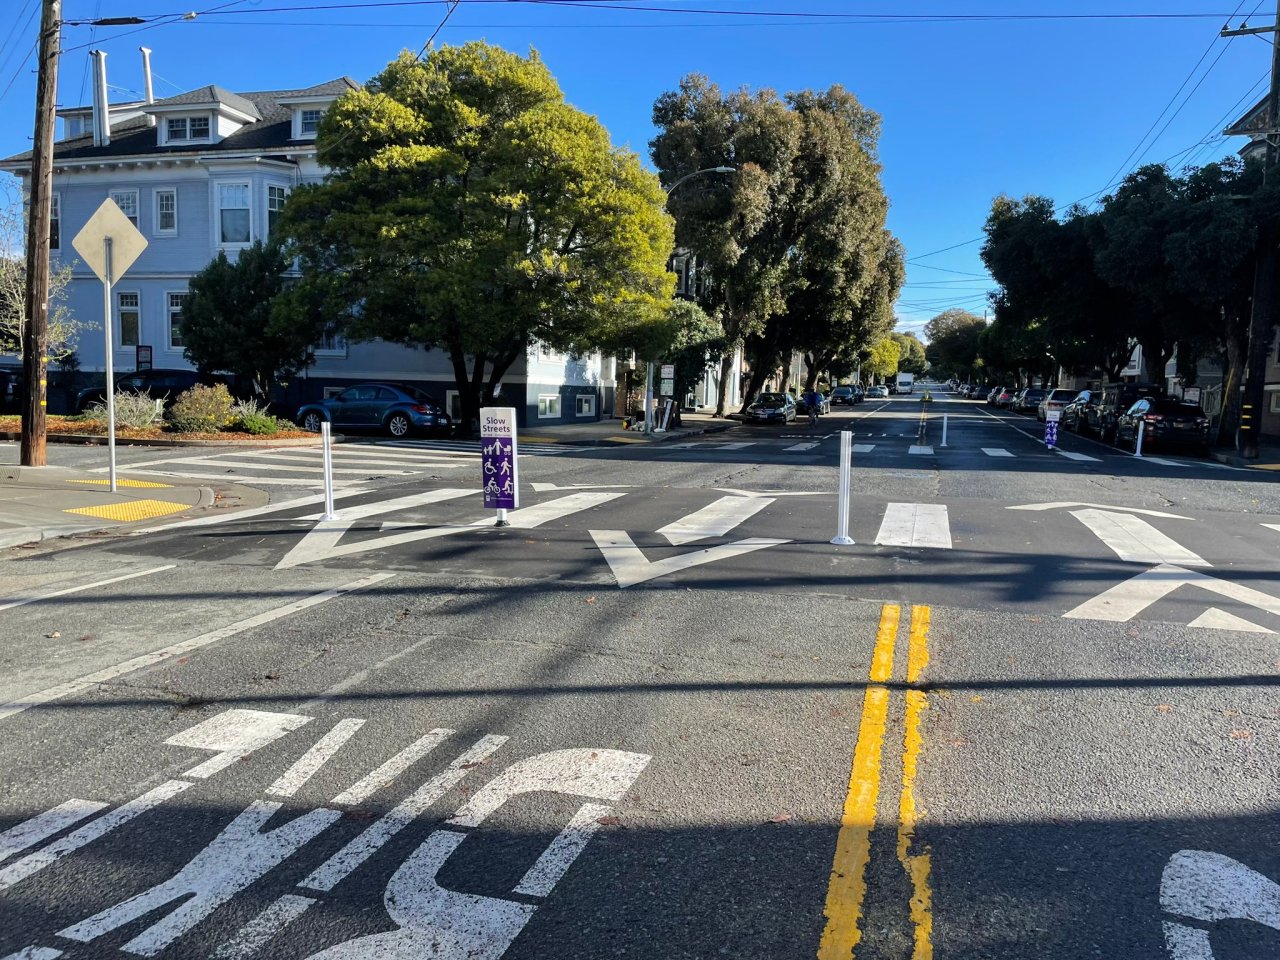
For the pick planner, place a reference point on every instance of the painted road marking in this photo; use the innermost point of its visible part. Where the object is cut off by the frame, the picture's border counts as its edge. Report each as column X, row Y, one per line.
column 225, row 515
column 736, row 445
column 310, row 762
column 918, row 866
column 996, row 452
column 45, row 825
column 863, row 447
column 1221, row 620
column 186, row 646
column 1272, row 526
column 1100, row 506
column 920, row 449
column 233, row 735
column 255, row 934
column 1126, row 600
column 374, row 781
column 630, row 566
column 847, row 887
column 713, row 520
column 1136, row 541
column 292, row 468
column 1208, row 887
column 802, row 446
column 10, row 604
column 1084, row 457
column 374, row 837
column 915, row 525
column 1163, row 462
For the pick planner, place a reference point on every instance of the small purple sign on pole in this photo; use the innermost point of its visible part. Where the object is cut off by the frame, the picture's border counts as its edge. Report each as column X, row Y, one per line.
column 499, row 463
column 1051, row 428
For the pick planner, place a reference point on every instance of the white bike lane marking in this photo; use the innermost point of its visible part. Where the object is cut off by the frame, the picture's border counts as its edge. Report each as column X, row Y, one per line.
column 429, row 916
column 1208, row 887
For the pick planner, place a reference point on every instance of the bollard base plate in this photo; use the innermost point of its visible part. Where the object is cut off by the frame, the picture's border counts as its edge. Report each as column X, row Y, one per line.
column 842, row 541
column 502, row 523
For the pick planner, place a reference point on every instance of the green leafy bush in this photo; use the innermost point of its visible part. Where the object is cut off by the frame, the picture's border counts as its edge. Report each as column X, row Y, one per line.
column 248, row 416
column 132, row 410
column 201, row 410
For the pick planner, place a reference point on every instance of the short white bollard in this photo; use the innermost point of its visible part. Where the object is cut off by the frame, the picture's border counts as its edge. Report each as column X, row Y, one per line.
column 1137, row 447
column 328, row 471
column 944, row 429
column 842, row 495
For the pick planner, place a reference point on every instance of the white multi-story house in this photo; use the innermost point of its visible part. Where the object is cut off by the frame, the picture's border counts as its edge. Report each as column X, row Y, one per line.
column 209, row 171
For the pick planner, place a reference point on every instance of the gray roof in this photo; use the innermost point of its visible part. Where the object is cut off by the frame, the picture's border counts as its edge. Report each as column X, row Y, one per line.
column 272, row 133
column 212, row 94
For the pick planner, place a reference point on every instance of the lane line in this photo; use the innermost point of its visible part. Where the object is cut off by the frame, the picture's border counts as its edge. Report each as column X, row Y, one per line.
column 290, row 468
column 714, row 520
column 918, row 866
column 81, row 684
column 309, row 763
column 87, row 586
column 1136, row 541
column 915, row 525
column 847, row 888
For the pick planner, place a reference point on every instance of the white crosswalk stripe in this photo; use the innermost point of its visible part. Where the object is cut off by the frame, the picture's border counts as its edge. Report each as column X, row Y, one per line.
column 1083, row 457
column 915, row 525
column 996, row 452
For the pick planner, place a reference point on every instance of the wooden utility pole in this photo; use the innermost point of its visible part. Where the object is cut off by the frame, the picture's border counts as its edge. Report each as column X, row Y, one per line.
column 35, row 332
column 1263, row 317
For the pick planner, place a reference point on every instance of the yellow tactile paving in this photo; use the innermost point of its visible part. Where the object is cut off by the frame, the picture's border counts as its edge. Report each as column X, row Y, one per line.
column 131, row 510
column 121, row 482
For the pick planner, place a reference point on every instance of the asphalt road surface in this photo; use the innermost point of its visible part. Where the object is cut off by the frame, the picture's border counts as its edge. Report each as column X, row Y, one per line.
column 1031, row 712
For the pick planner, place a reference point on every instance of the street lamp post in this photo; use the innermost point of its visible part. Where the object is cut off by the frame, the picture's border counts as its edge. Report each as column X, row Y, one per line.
column 648, row 375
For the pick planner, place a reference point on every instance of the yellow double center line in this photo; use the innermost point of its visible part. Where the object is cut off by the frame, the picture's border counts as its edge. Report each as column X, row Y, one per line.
column 847, row 888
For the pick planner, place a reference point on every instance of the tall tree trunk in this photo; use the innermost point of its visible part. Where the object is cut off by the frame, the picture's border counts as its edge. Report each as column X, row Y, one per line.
column 467, row 396
column 726, row 367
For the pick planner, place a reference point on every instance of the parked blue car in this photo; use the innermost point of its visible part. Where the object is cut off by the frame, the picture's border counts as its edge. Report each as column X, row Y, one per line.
column 397, row 408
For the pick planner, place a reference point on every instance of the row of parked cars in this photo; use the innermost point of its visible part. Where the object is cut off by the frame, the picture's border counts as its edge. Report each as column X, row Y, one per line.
column 1116, row 413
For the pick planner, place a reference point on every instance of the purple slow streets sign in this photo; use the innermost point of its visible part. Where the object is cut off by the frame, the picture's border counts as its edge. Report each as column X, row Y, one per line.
column 500, row 469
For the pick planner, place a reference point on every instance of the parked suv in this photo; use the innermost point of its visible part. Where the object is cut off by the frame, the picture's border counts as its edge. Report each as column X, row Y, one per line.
column 397, row 408
column 1075, row 415
column 1116, row 399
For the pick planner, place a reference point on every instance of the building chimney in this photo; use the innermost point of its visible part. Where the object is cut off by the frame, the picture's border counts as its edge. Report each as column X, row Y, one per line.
column 146, row 81
column 97, row 103
column 102, row 125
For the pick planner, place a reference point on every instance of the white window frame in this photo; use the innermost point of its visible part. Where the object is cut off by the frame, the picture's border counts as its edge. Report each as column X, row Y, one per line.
column 113, row 194
column 339, row 348
column 1275, row 401
column 187, row 135
column 55, row 216
column 168, row 314
column 284, row 189
column 155, row 210
column 218, row 208
column 546, row 403
column 118, row 319
column 590, row 399
column 303, row 132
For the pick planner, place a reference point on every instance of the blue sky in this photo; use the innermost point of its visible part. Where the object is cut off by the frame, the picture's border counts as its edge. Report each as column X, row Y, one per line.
column 971, row 108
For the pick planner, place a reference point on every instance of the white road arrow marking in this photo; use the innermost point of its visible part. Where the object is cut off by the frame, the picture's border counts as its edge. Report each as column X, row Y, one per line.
column 714, row 520
column 915, row 525
column 1064, row 504
column 1135, row 540
column 1126, row 600
column 1209, row 887
column 234, row 734
column 1221, row 620
column 630, row 566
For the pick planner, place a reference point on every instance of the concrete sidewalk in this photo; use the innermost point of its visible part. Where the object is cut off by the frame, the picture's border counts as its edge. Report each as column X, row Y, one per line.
column 606, row 433
column 41, row 503
column 1268, row 458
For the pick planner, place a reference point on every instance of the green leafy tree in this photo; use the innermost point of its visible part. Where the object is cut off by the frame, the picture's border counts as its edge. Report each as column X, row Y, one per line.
column 883, row 357
column 234, row 321
column 912, row 354
column 65, row 328
column 954, row 337
column 690, row 341
column 470, row 208
column 738, row 226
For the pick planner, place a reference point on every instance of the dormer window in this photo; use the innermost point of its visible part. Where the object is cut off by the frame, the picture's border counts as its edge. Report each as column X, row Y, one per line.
column 187, row 128
column 309, row 122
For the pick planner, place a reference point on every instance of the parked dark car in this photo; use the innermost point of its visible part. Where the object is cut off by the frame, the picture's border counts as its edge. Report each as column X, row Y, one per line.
column 843, row 396
column 1166, row 423
column 1075, row 415
column 158, row 384
column 1116, row 398
column 1029, row 399
column 992, row 394
column 397, row 408
column 11, row 380
column 771, row 408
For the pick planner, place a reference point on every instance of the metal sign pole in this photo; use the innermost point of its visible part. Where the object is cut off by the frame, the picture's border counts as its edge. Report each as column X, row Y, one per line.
column 325, row 433
column 111, row 382
column 842, row 496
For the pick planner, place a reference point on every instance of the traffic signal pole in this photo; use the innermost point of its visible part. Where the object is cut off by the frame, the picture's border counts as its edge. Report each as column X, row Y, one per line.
column 35, row 331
